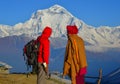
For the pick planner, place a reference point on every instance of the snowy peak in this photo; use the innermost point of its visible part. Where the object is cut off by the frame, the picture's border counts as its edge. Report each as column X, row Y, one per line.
column 58, row 18
column 56, row 9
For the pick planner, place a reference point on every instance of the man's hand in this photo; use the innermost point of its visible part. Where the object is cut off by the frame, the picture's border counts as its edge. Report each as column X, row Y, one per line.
column 44, row 64
column 46, row 69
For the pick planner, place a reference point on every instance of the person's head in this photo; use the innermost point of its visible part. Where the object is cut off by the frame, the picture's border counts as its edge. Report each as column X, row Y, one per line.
column 47, row 31
column 72, row 29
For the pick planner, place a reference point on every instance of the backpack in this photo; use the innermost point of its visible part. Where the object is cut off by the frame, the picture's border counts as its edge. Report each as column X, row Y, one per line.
column 30, row 52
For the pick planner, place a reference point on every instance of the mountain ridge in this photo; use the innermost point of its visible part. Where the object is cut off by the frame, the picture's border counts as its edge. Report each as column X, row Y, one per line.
column 57, row 17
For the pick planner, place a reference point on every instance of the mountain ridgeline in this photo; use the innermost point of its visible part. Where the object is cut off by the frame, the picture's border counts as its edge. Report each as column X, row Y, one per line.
column 58, row 18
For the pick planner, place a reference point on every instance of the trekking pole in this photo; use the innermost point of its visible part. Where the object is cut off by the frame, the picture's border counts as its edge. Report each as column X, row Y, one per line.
column 100, row 76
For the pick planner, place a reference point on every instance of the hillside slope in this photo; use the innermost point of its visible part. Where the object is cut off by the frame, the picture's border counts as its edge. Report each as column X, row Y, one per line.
column 23, row 79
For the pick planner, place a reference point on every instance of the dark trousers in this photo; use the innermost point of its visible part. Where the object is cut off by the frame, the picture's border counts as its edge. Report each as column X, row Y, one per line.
column 41, row 75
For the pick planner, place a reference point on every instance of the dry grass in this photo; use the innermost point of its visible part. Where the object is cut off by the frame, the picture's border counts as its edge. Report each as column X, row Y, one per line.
column 23, row 79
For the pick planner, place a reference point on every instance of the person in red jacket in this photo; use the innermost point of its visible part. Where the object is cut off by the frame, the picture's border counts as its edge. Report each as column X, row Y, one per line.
column 43, row 55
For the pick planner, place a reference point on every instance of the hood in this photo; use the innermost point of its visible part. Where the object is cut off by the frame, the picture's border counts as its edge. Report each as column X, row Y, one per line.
column 47, row 32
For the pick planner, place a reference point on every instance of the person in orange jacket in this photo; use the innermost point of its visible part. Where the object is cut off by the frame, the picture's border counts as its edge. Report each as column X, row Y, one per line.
column 43, row 55
column 75, row 62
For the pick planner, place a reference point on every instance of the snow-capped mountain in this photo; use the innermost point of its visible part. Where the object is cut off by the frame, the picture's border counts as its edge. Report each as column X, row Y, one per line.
column 13, row 39
column 58, row 17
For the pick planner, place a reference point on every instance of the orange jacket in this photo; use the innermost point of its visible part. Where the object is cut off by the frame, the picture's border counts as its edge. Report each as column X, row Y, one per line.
column 75, row 57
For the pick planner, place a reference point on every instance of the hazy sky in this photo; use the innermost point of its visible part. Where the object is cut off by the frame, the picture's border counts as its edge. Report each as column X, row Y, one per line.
column 92, row 12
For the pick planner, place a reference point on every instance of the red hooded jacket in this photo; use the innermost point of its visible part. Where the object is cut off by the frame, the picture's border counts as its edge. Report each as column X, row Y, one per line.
column 44, row 49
